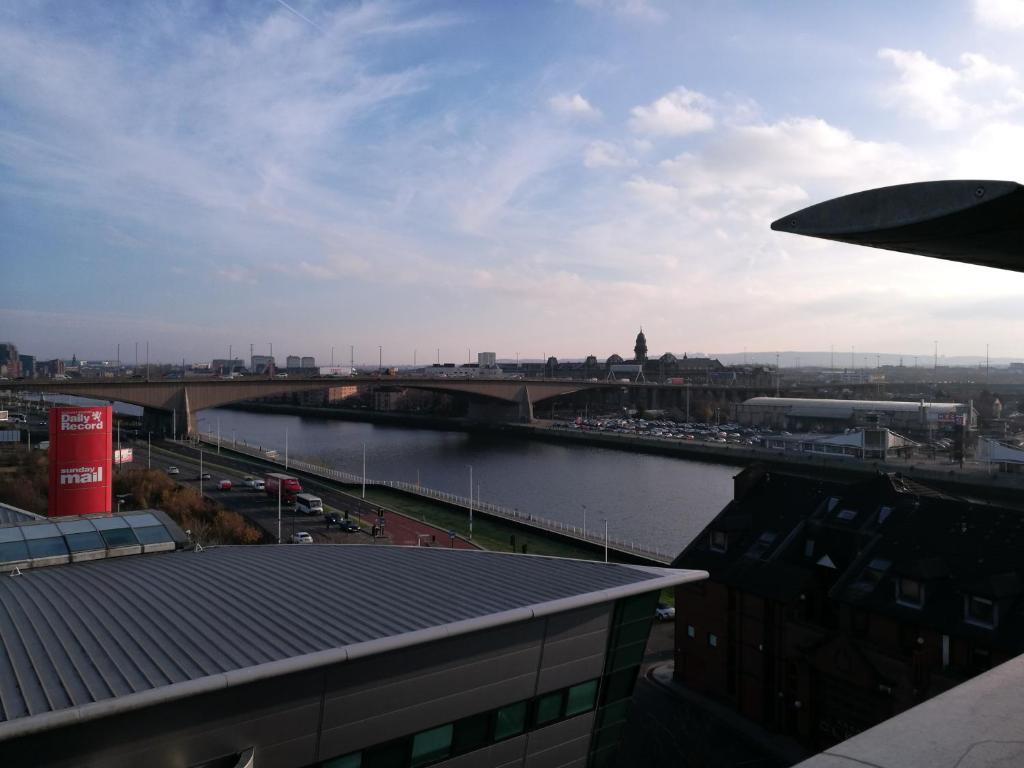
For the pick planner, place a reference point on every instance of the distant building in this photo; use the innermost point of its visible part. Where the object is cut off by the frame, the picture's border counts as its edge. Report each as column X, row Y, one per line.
column 225, row 367
column 831, row 607
column 487, row 359
column 261, row 363
column 811, row 414
column 308, row 362
column 293, row 361
column 10, row 364
column 50, row 368
column 28, row 366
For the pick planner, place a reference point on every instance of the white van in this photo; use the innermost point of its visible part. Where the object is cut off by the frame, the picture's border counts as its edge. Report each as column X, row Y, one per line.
column 308, row 504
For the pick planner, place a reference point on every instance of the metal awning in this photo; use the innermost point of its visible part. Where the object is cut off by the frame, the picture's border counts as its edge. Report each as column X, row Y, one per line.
column 972, row 221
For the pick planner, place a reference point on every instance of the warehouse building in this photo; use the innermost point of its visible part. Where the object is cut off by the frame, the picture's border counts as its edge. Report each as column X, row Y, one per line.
column 799, row 414
column 340, row 656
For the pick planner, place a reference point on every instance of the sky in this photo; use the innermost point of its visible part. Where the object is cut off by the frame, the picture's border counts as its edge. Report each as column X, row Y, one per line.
column 540, row 178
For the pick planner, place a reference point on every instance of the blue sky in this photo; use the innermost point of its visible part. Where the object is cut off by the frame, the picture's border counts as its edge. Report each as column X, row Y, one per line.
column 536, row 177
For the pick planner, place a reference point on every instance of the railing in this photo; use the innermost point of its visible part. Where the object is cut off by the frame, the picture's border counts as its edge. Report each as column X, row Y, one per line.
column 495, row 510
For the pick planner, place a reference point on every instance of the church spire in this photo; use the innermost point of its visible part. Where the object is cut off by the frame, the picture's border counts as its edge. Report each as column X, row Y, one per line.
column 640, row 350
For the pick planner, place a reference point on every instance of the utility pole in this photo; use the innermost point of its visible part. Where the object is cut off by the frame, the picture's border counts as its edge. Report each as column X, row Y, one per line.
column 136, row 357
column 279, row 511
column 380, row 359
column 936, row 356
column 332, row 357
column 606, row 539
column 364, row 470
column 147, row 361
column 352, row 357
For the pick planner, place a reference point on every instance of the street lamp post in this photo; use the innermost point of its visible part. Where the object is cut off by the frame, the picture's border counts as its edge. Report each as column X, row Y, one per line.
column 278, row 511
column 606, row 539
column 584, row 520
column 218, row 435
column 149, row 450
column 364, row 470
column 470, row 501
column 286, row 448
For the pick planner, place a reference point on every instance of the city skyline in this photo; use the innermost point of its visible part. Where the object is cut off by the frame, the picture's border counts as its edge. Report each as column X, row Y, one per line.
column 541, row 179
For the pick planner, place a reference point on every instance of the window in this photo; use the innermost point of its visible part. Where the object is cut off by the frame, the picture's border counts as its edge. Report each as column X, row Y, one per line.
column 393, row 754
column 979, row 611
column 909, row 592
column 719, row 541
column 510, row 721
column 549, row 708
column 619, row 685
column 471, row 733
column 153, row 534
column 712, row 640
column 581, row 698
column 84, row 542
column 432, row 745
column 846, row 514
column 13, row 551
column 120, row 537
column 52, row 546
column 691, row 631
column 809, row 548
column 354, row 760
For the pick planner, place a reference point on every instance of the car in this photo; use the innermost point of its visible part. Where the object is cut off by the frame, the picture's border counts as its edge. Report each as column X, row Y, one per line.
column 301, row 538
column 259, row 485
column 224, row 485
column 332, row 518
column 173, row 471
column 664, row 612
column 204, row 476
column 349, row 526
column 248, row 480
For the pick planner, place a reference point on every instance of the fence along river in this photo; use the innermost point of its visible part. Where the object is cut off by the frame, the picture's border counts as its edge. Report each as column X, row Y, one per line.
column 652, row 503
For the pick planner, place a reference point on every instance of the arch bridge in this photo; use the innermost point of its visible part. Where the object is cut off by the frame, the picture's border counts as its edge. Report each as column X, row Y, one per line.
column 170, row 405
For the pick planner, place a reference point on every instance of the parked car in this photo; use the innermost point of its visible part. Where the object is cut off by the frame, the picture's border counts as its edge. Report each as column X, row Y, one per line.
column 332, row 518
column 247, row 480
column 258, row 485
column 224, row 485
column 349, row 526
column 301, row 538
column 173, row 471
column 664, row 612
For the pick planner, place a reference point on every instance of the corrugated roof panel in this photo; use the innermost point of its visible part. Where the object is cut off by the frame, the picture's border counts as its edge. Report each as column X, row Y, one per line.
column 77, row 634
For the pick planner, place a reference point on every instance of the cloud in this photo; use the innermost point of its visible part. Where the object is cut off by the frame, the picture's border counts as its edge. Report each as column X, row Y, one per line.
column 604, row 154
column 945, row 97
column 236, row 273
column 572, row 106
column 1000, row 14
column 677, row 113
column 641, row 10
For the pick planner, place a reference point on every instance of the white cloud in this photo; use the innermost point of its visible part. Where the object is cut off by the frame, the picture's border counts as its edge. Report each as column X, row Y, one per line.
column 677, row 113
column 945, row 97
column 633, row 9
column 1000, row 14
column 604, row 154
column 572, row 106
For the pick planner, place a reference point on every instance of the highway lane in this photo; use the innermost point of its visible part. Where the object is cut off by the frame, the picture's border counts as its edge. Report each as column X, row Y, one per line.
column 262, row 509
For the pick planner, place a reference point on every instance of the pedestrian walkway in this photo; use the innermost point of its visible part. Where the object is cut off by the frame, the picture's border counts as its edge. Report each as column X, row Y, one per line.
column 407, row 531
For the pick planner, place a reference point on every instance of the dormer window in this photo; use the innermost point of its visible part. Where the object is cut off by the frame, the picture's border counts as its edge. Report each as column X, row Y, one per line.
column 980, row 611
column 719, row 541
column 909, row 592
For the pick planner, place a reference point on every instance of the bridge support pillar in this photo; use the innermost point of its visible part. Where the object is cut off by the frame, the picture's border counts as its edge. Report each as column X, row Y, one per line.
column 525, row 405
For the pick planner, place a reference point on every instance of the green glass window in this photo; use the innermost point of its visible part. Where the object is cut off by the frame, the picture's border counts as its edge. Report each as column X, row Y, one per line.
column 510, row 721
column 620, row 685
column 637, row 607
column 626, row 656
column 393, row 754
column 635, row 632
column 354, row 760
column 581, row 698
column 432, row 745
column 549, row 708
column 471, row 733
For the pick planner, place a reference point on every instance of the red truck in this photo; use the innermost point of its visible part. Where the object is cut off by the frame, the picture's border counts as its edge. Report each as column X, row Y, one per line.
column 289, row 486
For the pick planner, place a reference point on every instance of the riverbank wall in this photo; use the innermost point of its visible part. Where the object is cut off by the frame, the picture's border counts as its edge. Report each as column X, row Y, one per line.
column 973, row 482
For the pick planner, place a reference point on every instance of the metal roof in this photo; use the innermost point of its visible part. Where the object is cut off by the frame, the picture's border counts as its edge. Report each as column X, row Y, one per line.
column 12, row 514
column 850, row 406
column 88, row 639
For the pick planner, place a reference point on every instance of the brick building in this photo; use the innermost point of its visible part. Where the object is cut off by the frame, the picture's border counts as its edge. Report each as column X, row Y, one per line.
column 832, row 607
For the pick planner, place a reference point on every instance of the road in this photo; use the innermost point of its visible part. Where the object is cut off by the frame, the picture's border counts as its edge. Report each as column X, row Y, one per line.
column 262, row 509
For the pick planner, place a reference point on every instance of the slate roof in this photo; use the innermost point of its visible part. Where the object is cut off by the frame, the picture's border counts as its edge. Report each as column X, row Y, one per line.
column 786, row 530
column 75, row 635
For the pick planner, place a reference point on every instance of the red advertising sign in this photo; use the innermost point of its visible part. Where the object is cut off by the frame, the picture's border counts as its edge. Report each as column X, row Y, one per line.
column 80, row 456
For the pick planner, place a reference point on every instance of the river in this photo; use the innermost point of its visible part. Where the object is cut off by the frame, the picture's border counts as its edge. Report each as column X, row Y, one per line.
column 658, row 501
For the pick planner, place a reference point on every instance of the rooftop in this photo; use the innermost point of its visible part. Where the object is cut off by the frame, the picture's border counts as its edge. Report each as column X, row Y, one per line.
column 92, row 638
